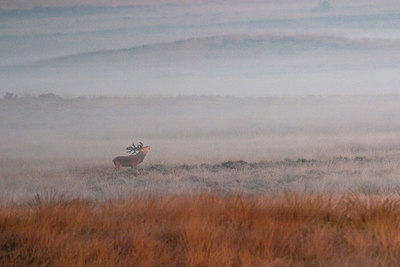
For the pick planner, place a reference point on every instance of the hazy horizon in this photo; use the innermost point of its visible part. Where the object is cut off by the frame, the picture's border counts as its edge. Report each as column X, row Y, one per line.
column 172, row 48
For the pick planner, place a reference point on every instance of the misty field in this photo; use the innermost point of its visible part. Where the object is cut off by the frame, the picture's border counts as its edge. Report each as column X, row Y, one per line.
column 22, row 180
column 310, row 181
column 199, row 144
column 289, row 212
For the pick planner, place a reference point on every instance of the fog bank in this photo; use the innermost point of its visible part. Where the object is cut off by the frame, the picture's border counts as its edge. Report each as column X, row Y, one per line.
column 240, row 48
column 197, row 129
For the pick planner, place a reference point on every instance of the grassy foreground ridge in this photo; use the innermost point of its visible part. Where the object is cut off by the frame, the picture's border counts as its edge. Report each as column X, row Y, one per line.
column 203, row 230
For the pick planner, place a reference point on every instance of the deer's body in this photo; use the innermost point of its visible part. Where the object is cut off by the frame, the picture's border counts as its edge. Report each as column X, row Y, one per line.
column 132, row 160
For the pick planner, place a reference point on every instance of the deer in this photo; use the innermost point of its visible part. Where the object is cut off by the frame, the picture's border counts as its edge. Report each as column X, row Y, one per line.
column 138, row 153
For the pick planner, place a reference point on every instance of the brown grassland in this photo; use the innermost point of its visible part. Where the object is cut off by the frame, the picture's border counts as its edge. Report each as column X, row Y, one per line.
column 203, row 230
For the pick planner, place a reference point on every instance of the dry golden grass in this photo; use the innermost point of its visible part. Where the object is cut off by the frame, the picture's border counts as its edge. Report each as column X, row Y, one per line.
column 203, row 230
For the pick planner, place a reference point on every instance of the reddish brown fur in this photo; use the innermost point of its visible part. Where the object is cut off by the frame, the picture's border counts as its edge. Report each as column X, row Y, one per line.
column 132, row 160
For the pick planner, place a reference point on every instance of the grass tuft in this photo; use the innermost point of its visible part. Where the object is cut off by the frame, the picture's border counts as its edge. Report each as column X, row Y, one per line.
column 203, row 230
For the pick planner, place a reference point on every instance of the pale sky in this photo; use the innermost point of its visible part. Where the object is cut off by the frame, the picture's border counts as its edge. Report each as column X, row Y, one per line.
column 28, row 4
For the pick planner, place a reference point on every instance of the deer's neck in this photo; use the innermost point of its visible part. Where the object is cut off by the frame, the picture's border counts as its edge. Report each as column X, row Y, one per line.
column 140, row 155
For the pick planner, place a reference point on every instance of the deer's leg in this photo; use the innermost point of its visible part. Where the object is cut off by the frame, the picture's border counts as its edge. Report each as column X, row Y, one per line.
column 117, row 165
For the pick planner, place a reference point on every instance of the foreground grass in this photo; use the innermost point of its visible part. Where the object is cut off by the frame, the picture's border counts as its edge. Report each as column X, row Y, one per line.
column 203, row 230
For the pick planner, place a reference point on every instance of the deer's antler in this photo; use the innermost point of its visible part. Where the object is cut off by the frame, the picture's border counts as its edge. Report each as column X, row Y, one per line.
column 134, row 148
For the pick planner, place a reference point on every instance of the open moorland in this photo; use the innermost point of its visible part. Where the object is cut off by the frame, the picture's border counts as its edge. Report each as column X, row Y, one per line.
column 270, row 130
column 228, row 181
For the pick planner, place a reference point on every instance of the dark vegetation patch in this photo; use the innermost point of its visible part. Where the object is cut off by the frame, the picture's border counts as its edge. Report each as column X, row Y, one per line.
column 239, row 165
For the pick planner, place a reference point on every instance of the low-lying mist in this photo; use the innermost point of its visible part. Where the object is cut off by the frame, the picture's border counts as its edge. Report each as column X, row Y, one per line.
column 199, row 144
column 181, row 129
column 239, row 65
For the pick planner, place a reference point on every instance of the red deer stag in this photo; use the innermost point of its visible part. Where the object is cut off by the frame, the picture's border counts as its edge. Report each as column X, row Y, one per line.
column 137, row 157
